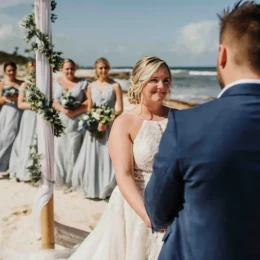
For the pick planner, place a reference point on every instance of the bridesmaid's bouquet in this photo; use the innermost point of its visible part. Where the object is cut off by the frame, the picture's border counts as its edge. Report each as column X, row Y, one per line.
column 69, row 102
column 10, row 92
column 99, row 115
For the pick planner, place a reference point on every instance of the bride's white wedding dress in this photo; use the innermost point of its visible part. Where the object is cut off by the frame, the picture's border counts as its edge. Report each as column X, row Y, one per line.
column 121, row 234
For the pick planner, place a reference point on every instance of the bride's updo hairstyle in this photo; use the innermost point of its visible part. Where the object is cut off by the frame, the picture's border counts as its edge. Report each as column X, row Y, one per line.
column 141, row 74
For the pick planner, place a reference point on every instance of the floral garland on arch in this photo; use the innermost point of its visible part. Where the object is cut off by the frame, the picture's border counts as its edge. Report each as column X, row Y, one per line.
column 41, row 105
column 37, row 100
column 45, row 46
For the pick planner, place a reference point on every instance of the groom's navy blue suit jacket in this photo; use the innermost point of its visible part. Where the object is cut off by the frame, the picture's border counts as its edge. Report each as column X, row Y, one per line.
column 205, row 185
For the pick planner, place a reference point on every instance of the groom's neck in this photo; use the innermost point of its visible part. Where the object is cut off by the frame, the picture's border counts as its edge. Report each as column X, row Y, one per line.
column 241, row 75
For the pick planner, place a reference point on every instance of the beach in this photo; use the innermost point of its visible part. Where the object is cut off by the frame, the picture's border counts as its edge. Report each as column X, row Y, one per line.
column 17, row 228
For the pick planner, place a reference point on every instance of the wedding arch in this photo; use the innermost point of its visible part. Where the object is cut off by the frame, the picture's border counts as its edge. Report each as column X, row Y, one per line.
column 38, row 33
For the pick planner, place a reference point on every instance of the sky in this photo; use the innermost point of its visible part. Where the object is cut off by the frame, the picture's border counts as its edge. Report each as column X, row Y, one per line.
column 182, row 32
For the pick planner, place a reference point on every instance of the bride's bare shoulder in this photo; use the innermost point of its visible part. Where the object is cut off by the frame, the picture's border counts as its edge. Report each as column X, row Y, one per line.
column 127, row 121
column 124, row 119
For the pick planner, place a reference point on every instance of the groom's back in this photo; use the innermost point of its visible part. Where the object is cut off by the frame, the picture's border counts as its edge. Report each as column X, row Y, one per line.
column 219, row 158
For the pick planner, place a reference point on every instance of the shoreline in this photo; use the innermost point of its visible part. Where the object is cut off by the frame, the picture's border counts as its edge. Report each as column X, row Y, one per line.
column 122, row 77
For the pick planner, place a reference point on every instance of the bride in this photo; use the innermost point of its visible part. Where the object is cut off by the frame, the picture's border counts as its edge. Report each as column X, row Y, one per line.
column 123, row 232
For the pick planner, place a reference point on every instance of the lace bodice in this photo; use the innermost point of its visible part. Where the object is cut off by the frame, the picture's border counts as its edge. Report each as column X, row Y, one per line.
column 146, row 144
column 145, row 147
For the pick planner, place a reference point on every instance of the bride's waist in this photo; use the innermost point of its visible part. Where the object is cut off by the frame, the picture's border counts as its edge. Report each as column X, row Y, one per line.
column 140, row 175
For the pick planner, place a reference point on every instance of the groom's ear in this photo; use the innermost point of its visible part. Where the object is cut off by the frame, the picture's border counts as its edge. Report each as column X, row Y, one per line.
column 222, row 56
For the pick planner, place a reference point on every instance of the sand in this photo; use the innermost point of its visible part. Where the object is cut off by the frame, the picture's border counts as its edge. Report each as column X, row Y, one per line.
column 17, row 230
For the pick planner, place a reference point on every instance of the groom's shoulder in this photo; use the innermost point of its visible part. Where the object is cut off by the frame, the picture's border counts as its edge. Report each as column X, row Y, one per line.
column 199, row 111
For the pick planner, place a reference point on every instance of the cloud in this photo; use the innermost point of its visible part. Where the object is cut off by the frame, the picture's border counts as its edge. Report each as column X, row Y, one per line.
column 4, row 4
column 11, row 34
column 7, row 31
column 196, row 38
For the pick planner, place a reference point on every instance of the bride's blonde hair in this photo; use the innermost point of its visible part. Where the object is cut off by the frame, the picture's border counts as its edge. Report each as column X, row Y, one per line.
column 142, row 72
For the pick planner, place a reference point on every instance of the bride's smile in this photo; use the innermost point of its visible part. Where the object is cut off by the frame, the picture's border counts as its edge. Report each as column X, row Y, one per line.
column 157, row 88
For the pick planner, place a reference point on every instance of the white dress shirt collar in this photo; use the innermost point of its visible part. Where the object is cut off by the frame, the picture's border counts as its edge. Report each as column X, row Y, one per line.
column 241, row 81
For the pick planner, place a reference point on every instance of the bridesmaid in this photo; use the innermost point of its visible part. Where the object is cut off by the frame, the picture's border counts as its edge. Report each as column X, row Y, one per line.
column 10, row 115
column 93, row 173
column 20, row 152
column 67, row 146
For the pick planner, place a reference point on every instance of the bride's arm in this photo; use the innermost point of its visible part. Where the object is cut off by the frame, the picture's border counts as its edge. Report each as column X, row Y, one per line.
column 120, row 149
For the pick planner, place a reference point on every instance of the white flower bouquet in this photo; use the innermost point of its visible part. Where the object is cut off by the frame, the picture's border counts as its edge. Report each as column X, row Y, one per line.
column 69, row 102
column 99, row 115
column 10, row 91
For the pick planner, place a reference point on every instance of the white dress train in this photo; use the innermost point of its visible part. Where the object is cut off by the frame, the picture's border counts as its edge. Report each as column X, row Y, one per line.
column 121, row 234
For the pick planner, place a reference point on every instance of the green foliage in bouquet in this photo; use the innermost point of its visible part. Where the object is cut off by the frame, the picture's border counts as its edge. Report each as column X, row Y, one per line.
column 99, row 115
column 45, row 46
column 69, row 102
column 10, row 91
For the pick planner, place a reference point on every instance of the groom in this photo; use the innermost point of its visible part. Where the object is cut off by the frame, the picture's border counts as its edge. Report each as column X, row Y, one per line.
column 205, row 186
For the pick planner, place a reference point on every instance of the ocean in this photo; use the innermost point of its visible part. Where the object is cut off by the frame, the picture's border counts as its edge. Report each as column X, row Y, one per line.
column 194, row 84
column 190, row 84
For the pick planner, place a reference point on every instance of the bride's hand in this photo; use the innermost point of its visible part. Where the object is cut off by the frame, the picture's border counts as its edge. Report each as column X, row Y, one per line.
column 147, row 221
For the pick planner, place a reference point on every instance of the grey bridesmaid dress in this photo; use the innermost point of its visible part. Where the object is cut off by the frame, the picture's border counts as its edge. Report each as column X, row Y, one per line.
column 67, row 146
column 93, row 173
column 20, row 151
column 10, row 117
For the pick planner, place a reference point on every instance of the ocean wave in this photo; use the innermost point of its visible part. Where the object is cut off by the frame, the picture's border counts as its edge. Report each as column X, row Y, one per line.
column 202, row 73
column 192, row 99
column 178, row 71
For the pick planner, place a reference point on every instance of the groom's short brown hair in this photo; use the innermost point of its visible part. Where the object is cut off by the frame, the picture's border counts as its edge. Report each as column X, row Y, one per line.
column 240, row 28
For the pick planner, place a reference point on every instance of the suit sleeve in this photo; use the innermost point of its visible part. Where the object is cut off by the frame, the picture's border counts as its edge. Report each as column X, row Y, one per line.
column 164, row 192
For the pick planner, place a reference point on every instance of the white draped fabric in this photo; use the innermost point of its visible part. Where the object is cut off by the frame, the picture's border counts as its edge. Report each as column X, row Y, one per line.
column 45, row 134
